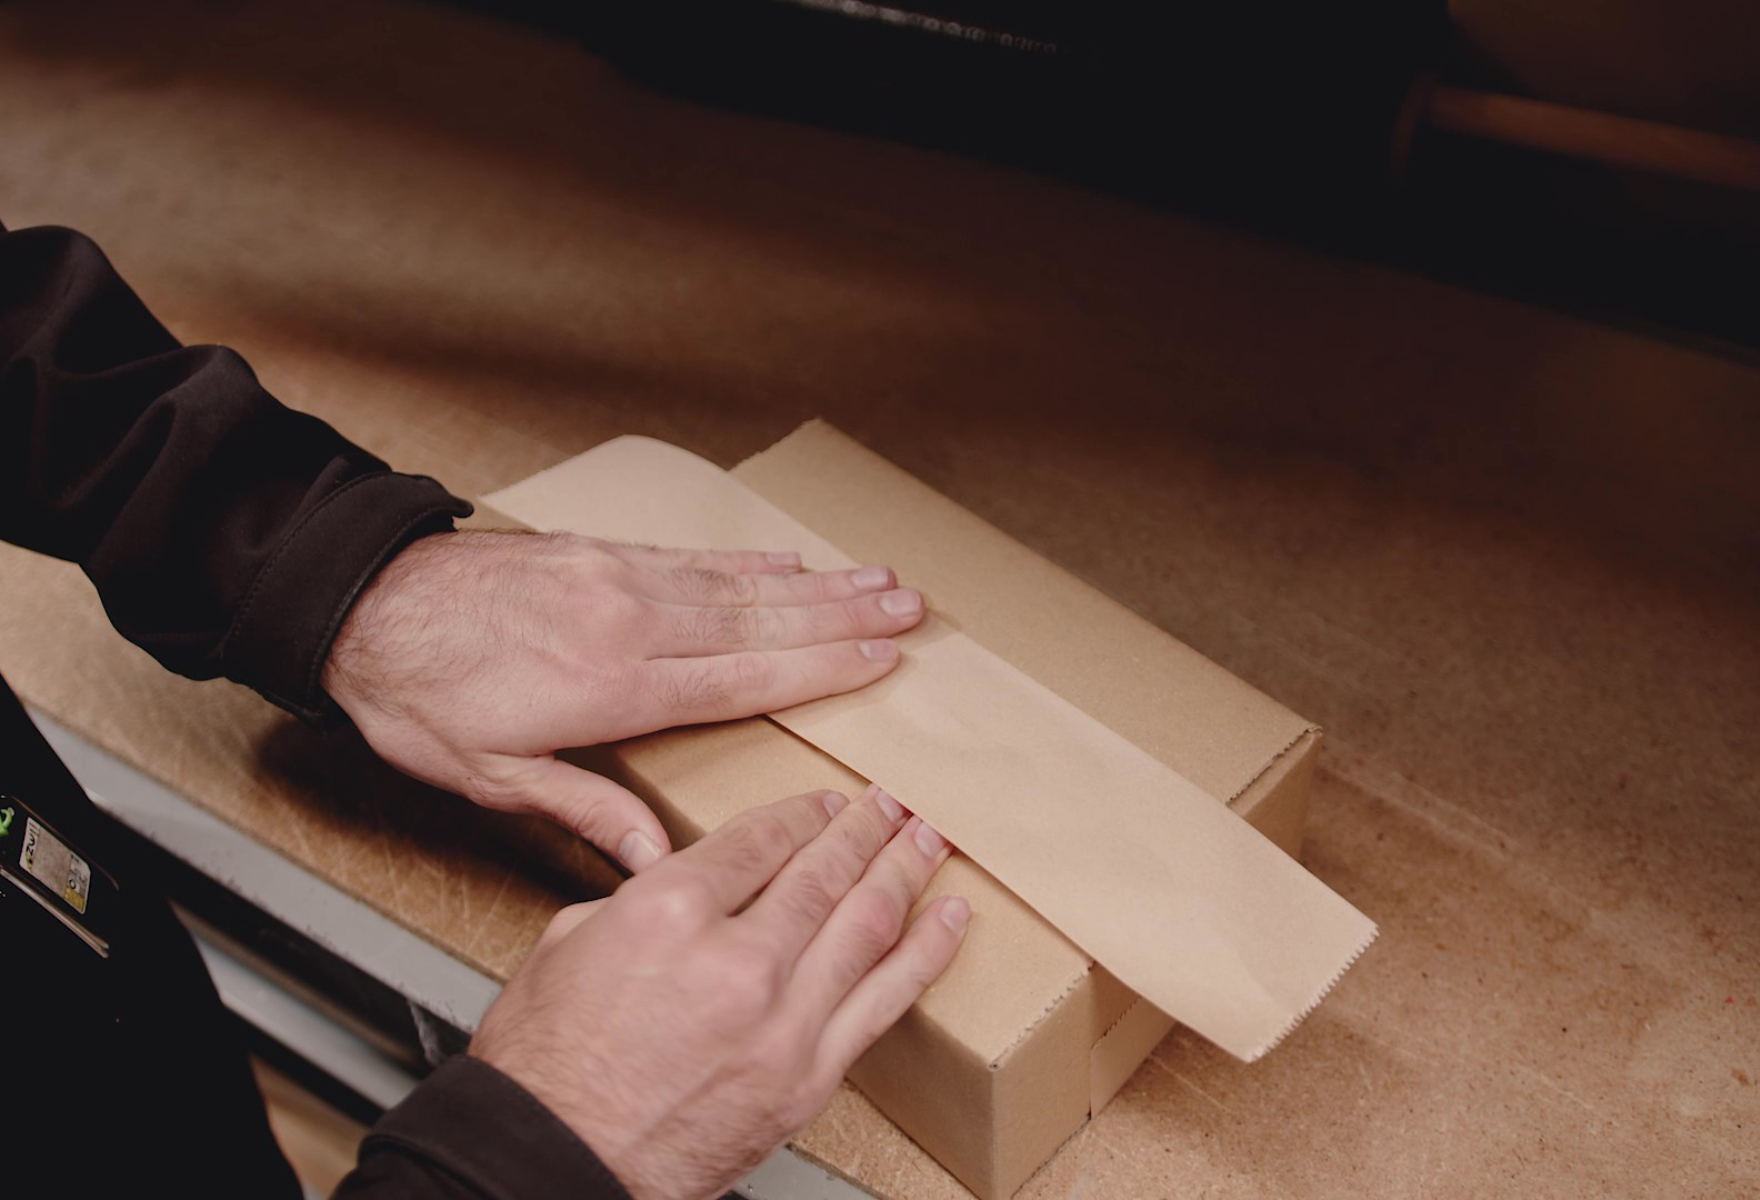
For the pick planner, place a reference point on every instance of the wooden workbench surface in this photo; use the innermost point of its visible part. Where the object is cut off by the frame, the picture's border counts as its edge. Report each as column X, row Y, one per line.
column 1508, row 559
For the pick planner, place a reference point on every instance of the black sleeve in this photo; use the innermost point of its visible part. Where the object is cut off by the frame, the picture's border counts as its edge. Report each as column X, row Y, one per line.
column 471, row 1133
column 226, row 534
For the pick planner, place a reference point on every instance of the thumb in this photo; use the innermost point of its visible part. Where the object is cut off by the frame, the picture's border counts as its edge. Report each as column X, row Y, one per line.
column 606, row 814
column 566, row 921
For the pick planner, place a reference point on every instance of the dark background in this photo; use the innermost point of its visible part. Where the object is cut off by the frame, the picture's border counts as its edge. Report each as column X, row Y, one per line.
column 1278, row 117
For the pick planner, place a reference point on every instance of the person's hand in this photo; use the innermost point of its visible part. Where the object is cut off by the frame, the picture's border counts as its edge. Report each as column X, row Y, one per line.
column 474, row 656
column 682, row 1033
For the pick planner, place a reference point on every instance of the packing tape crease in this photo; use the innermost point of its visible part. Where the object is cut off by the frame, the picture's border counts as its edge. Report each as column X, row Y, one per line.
column 1159, row 881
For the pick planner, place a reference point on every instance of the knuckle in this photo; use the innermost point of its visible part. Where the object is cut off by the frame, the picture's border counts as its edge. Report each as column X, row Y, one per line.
column 872, row 930
column 853, row 839
column 690, row 582
column 591, row 816
column 607, row 554
column 868, row 833
column 896, row 884
column 810, row 896
column 752, row 672
column 496, row 785
column 693, row 689
column 764, row 626
column 748, row 980
column 758, row 839
column 741, row 589
column 706, row 627
column 704, row 585
column 671, row 906
column 837, row 585
column 571, row 556
column 812, row 587
column 614, row 682
column 618, row 604
column 833, row 622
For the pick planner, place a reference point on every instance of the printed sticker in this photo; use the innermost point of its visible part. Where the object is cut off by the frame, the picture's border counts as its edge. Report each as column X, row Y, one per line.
column 52, row 862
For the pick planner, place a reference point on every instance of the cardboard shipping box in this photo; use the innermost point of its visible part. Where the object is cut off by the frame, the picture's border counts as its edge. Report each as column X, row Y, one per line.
column 1025, row 1036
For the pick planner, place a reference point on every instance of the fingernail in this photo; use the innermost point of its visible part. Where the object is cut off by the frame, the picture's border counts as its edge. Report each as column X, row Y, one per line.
column 872, row 578
column 893, row 809
column 784, row 559
column 880, row 651
column 928, row 841
column 834, row 802
column 955, row 913
column 902, row 603
column 638, row 850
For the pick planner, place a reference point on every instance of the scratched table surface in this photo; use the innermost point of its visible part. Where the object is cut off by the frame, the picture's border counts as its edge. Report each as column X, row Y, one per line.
column 1508, row 558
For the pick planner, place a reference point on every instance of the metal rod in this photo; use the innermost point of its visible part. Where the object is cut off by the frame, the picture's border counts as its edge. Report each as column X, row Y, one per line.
column 1616, row 141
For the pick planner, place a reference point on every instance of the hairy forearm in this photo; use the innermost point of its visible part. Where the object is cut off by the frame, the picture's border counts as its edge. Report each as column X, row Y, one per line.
column 226, row 533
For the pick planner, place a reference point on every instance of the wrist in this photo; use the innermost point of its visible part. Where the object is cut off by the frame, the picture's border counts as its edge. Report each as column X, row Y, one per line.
column 281, row 638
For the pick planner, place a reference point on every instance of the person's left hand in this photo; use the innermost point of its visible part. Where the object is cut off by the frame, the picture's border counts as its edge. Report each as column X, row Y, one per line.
column 473, row 657
column 683, row 1028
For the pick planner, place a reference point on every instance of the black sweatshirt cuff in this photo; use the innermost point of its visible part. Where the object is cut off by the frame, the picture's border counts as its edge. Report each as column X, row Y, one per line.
column 487, row 1136
column 286, row 623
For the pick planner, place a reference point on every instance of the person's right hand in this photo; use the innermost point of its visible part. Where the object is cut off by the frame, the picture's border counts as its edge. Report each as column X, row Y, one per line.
column 683, row 1029
column 473, row 657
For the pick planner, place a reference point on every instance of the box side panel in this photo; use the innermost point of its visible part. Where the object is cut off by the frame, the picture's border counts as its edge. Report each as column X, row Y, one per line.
column 1101, row 1032
column 939, row 1092
column 1121, row 669
column 1276, row 803
column 1041, row 1092
column 1118, row 1054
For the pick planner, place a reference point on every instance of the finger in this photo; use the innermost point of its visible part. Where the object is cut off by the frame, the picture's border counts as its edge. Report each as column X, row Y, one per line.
column 735, row 861
column 728, row 562
column 696, row 585
column 606, row 814
column 866, row 923
column 804, row 893
column 887, row 992
column 689, row 631
column 689, row 691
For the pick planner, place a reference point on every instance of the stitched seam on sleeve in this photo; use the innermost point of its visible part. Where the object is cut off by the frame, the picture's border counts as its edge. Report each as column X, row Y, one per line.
column 530, row 1103
column 508, row 1091
column 428, row 1154
column 321, row 651
column 242, row 620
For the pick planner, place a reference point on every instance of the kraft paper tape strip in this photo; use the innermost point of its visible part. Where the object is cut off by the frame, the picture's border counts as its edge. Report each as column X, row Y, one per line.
column 1165, row 887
